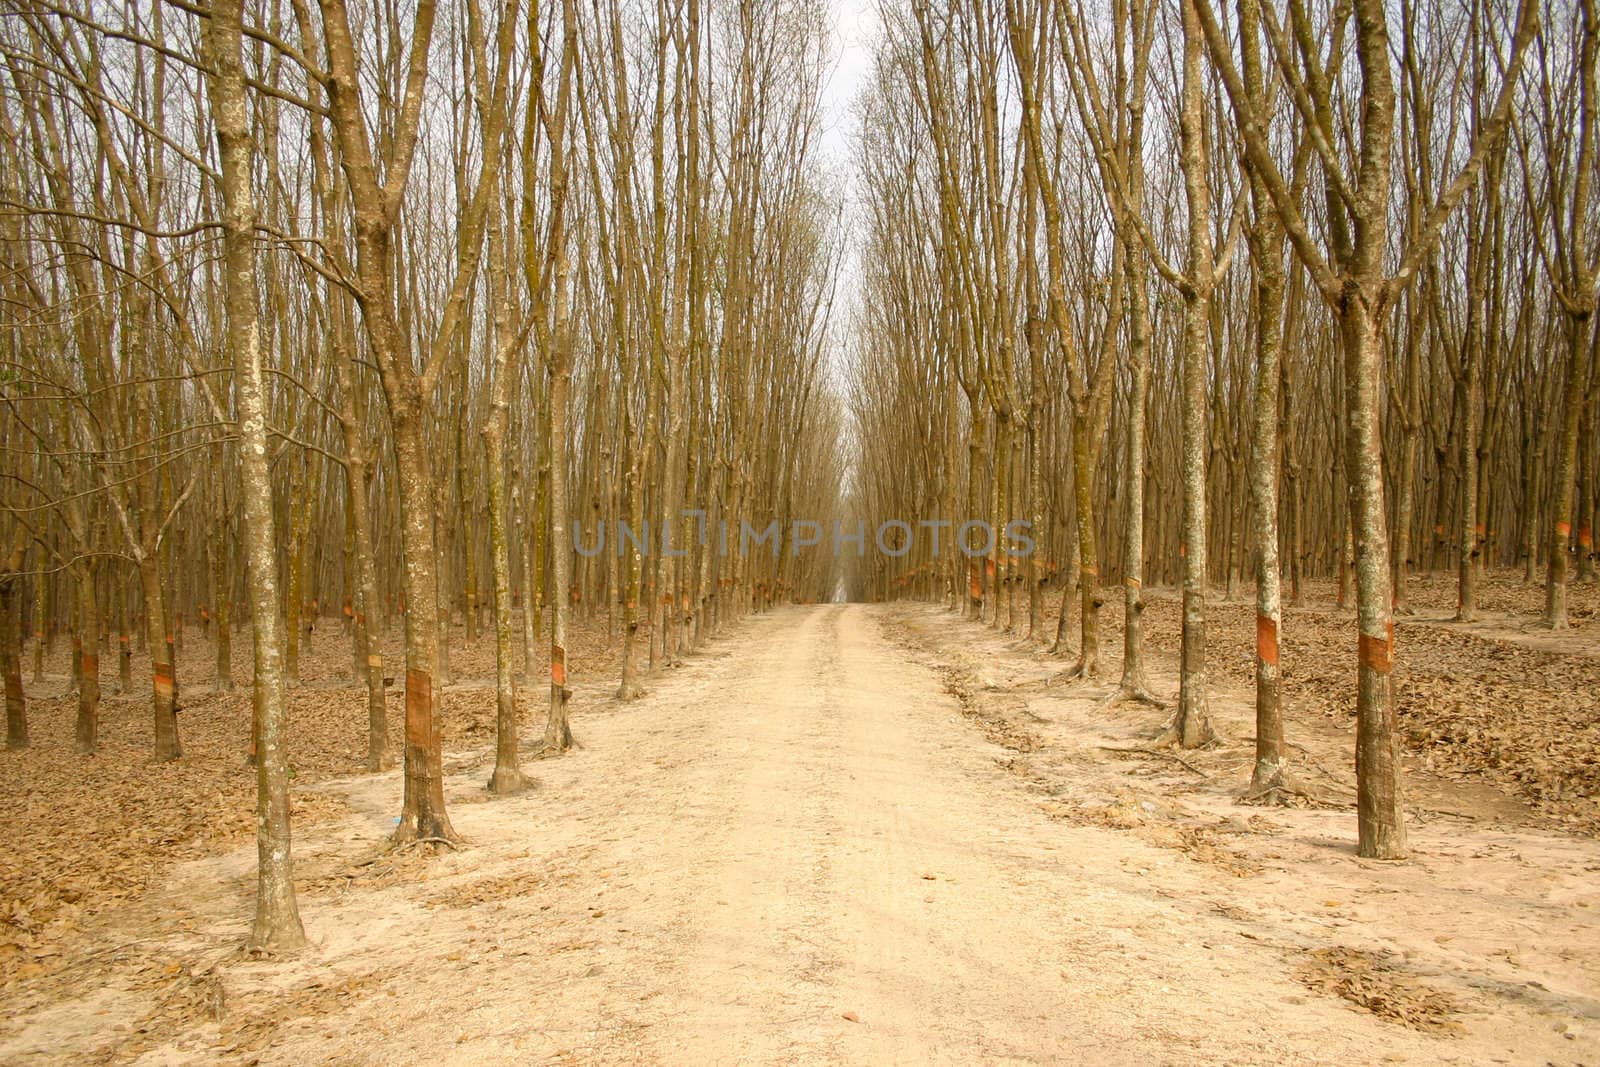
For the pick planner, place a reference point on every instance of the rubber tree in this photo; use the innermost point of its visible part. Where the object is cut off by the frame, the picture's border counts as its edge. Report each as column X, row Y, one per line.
column 1349, row 272
column 277, row 926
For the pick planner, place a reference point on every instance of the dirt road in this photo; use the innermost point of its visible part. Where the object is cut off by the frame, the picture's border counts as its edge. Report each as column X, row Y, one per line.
column 794, row 849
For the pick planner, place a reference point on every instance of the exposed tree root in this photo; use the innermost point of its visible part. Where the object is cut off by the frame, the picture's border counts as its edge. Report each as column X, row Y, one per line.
column 1281, row 790
column 1131, row 693
column 1079, row 671
column 1157, row 753
column 551, row 751
column 1310, row 758
column 406, row 844
column 1170, row 737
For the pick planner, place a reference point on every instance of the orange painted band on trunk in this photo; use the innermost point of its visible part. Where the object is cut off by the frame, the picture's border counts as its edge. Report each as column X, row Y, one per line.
column 1183, row 549
column 1586, row 537
column 1267, row 639
column 375, row 661
column 975, row 590
column 1480, row 529
column 419, row 708
column 558, row 665
column 1563, row 529
column 123, row 638
column 1376, row 653
column 169, row 639
column 1091, row 571
column 162, row 676
column 91, row 663
column 1132, row 583
column 1439, row 530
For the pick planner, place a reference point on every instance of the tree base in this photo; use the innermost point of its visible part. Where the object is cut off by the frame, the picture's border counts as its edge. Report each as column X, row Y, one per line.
column 1383, row 849
column 509, row 781
column 554, row 751
column 289, row 940
column 1083, row 670
column 430, row 830
column 1281, row 790
column 1201, row 735
column 1132, row 693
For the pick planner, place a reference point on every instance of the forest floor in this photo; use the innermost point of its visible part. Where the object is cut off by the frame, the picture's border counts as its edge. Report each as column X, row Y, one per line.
column 842, row 833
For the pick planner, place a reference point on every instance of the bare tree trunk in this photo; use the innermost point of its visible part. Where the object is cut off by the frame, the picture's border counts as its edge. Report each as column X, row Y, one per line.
column 507, row 777
column 1579, row 325
column 1268, row 773
column 367, row 610
column 422, row 814
column 88, row 725
column 277, row 925
column 1269, row 779
column 1471, row 518
column 1134, row 684
column 1192, row 725
column 163, row 672
column 1380, row 812
column 1411, row 424
column 41, row 637
column 557, row 731
column 549, row 279
column 11, row 663
column 221, row 585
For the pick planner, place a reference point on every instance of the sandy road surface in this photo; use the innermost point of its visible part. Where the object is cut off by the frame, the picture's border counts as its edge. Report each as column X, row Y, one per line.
column 793, row 849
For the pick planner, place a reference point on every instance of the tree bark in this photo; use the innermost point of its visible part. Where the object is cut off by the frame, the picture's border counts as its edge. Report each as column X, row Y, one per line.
column 11, row 663
column 277, row 925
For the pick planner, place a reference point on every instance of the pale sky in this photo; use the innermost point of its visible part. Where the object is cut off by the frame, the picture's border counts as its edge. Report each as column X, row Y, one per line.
column 855, row 23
